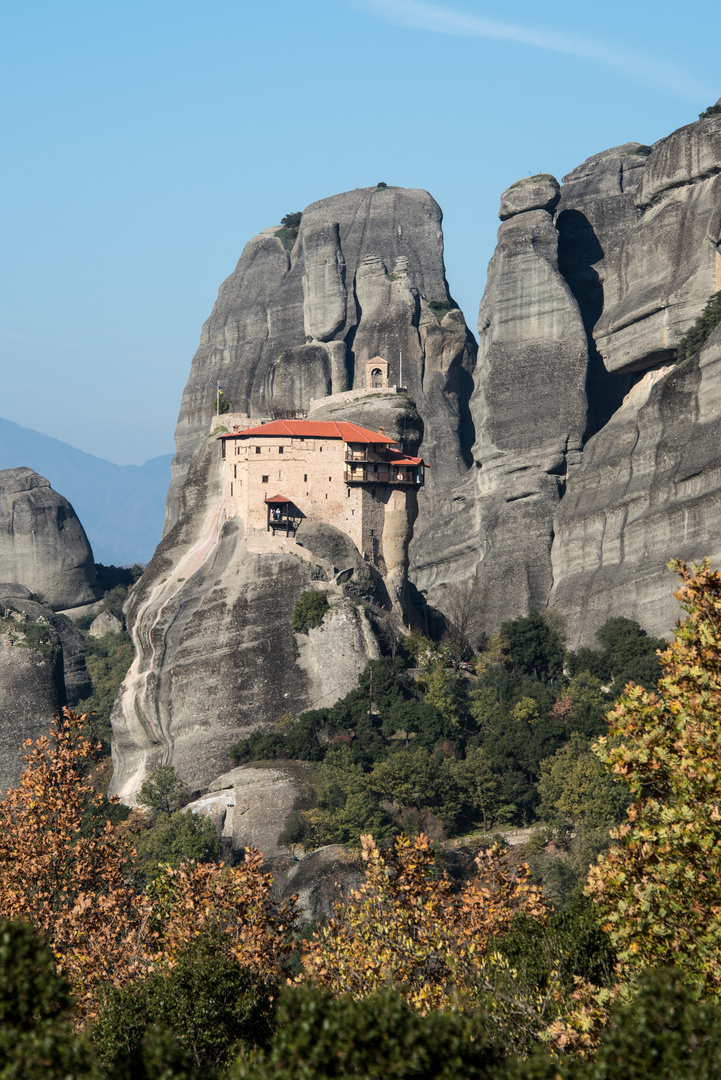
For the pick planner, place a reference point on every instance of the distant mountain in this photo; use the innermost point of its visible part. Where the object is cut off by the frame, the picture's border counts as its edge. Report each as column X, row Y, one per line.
column 121, row 506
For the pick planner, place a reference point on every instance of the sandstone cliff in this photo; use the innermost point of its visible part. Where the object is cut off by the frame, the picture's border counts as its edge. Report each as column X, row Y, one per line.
column 364, row 277
column 216, row 656
column 596, row 456
column 42, row 543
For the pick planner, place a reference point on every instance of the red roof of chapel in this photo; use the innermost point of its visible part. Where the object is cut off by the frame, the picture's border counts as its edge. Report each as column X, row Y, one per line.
column 318, row 429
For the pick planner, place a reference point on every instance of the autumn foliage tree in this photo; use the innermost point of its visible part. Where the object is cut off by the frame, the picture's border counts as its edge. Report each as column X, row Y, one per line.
column 659, row 888
column 406, row 928
column 77, row 887
column 73, row 889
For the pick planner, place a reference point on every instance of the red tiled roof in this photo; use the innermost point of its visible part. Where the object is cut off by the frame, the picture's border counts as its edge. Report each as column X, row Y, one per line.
column 318, row 429
column 397, row 458
column 279, row 499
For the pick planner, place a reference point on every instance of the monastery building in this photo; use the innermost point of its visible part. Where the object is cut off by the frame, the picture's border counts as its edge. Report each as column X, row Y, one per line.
column 278, row 473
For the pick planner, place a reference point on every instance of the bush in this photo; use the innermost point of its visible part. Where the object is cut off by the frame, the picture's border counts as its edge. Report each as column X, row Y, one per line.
column 309, row 611
column 695, row 338
column 175, row 838
column 441, row 308
column 36, row 1033
column 319, row 1035
column 161, row 791
column 108, row 659
column 713, row 110
column 289, row 233
column 204, row 1007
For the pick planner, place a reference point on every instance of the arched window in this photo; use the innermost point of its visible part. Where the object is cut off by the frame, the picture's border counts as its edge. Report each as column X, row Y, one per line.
column 376, row 378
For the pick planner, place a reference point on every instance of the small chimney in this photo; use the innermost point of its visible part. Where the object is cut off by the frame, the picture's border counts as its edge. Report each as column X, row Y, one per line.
column 382, row 430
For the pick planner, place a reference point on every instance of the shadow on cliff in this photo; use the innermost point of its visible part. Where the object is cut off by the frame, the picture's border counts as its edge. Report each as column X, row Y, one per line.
column 579, row 250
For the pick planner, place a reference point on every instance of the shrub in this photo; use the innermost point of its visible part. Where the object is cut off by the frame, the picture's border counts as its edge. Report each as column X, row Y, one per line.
column 695, row 338
column 175, row 838
column 206, row 1004
column 289, row 233
column 161, row 791
column 441, row 308
column 713, row 110
column 320, row 1035
column 309, row 611
column 36, row 1033
column 108, row 659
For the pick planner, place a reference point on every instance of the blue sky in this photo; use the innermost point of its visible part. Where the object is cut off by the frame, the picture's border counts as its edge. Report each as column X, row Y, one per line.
column 145, row 143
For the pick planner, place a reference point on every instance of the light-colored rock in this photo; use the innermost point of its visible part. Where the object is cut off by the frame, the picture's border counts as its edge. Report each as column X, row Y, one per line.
column 290, row 327
column 658, row 280
column 321, row 879
column 648, row 490
column 74, row 682
column 105, row 623
column 530, row 413
column 533, row 193
column 334, row 654
column 42, row 544
column 31, row 690
column 249, row 805
column 216, row 658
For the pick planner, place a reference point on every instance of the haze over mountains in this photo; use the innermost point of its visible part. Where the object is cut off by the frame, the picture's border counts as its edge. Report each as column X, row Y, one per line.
column 121, row 506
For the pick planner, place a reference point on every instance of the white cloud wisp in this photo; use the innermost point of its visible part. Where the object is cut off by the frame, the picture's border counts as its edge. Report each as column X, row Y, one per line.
column 442, row 20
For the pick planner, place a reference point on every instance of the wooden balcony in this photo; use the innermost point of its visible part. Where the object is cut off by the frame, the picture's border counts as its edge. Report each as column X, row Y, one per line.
column 384, row 474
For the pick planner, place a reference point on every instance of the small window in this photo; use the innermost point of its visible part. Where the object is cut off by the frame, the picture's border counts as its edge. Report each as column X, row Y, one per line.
column 326, row 494
column 305, row 478
column 330, row 478
column 264, row 479
column 321, row 449
column 222, row 444
column 231, row 487
column 280, row 449
column 235, row 472
column 347, row 494
column 257, row 449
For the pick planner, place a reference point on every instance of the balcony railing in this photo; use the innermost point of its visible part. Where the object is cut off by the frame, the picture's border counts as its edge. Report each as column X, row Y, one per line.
column 359, row 474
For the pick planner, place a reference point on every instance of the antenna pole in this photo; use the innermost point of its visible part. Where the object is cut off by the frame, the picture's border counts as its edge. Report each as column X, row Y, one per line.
column 217, row 399
column 401, row 375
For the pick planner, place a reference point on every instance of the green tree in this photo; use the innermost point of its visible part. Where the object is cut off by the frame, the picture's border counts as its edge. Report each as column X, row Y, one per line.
column 176, row 838
column 627, row 654
column 309, row 611
column 161, row 791
column 37, row 1041
column 206, row 1004
column 658, row 888
column 321, row 1035
column 535, row 647
column 576, row 789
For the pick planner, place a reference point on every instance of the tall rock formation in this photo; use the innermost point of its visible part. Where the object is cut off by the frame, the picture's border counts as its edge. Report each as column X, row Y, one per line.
column 530, row 412
column 32, row 685
column 364, row 277
column 216, row 656
column 42, row 543
column 596, row 456
column 210, row 618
